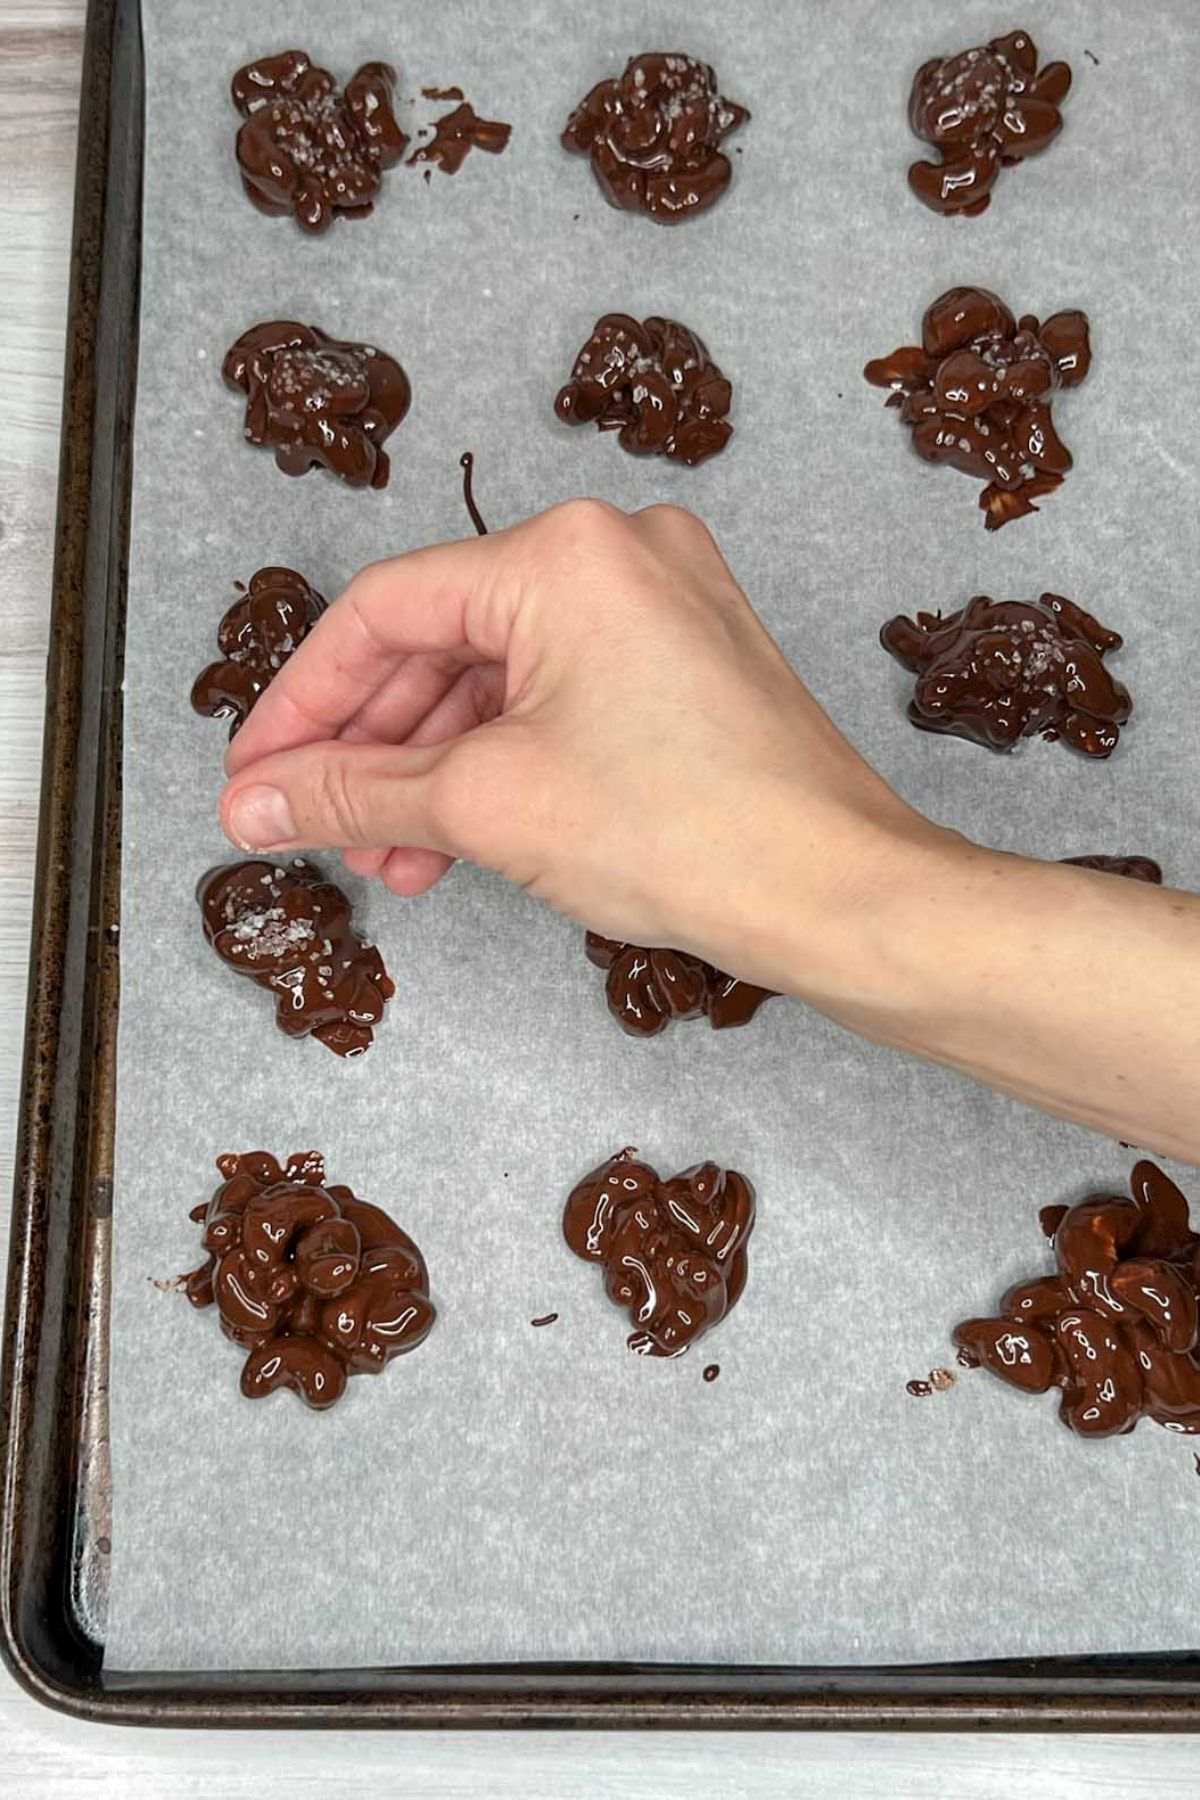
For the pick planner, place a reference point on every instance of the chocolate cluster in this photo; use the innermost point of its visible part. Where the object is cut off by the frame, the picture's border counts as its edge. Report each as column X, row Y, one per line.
column 317, row 401
column 315, row 1284
column 647, row 989
column 457, row 133
column 673, row 1252
column 290, row 931
column 654, row 135
column 1001, row 670
column 258, row 634
column 308, row 149
column 1115, row 1326
column 982, row 110
column 1133, row 868
column 655, row 384
column 976, row 393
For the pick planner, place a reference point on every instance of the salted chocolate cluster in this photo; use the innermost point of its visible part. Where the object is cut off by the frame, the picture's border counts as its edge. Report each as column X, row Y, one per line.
column 290, row 931
column 647, row 989
column 457, row 133
column 655, row 384
column 317, row 401
column 267, row 622
column 1133, row 868
column 673, row 1252
column 983, row 109
column 654, row 135
column 976, row 393
column 1115, row 1326
column 315, row 1284
column 308, row 149
column 1001, row 670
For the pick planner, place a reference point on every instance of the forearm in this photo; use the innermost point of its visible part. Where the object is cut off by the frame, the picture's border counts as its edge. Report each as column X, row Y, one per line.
column 1075, row 991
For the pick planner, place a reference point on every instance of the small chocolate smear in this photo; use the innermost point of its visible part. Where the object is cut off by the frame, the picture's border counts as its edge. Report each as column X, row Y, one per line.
column 654, row 136
column 1196, row 1460
column 647, row 989
column 466, row 463
column 458, row 133
column 428, row 176
column 673, row 1252
column 918, row 1389
column 941, row 1379
column 256, row 637
column 104, row 1545
column 967, row 1359
column 307, row 149
column 318, row 401
column 449, row 93
column 655, row 384
column 314, row 1283
column 290, row 931
column 1134, row 868
column 984, row 109
column 546, row 1319
column 1050, row 1218
column 712, row 1371
column 1091, row 58
column 1116, row 1327
column 1002, row 670
column 168, row 1284
column 976, row 393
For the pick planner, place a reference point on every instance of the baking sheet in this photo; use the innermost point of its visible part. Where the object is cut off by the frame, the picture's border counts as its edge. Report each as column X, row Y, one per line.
column 511, row 1493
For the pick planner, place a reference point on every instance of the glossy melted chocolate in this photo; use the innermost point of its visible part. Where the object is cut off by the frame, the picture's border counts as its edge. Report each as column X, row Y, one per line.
column 654, row 136
column 655, row 384
column 317, row 1285
column 1001, row 670
column 459, row 132
column 646, row 989
column 307, row 149
column 290, row 931
column 1134, row 868
column 318, row 401
column 673, row 1252
column 256, row 637
column 976, row 393
column 982, row 109
column 1115, row 1326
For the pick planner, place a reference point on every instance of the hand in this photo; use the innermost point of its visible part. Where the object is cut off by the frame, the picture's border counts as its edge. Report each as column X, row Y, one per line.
column 588, row 704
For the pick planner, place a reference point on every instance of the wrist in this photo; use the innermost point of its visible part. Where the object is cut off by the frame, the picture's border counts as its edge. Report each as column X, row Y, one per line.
column 838, row 911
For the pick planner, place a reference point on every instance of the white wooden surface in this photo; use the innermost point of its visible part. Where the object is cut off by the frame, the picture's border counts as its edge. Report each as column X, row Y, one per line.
column 43, row 1755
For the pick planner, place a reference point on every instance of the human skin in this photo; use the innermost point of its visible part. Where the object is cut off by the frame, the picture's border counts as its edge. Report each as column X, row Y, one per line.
column 588, row 704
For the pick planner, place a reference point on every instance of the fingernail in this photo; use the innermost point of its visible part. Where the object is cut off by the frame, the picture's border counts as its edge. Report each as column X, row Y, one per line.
column 260, row 818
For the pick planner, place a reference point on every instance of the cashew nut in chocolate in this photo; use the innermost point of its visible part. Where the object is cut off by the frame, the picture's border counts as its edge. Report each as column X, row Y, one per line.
column 307, row 149
column 318, row 401
column 654, row 136
column 290, row 931
column 646, row 989
column 673, row 1252
column 1115, row 1326
column 976, row 392
column 655, row 384
column 316, row 1284
column 983, row 109
column 1001, row 670
column 258, row 634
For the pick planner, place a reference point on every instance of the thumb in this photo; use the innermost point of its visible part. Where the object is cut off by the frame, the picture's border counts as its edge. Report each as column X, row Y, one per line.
column 335, row 795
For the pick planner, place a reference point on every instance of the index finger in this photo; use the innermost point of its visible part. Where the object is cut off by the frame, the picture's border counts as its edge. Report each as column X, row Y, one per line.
column 445, row 598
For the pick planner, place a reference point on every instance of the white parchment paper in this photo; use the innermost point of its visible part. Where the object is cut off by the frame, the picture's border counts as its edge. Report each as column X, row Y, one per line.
column 510, row 1493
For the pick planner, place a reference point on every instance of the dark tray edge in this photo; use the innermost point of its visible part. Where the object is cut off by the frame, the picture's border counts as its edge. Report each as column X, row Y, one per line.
column 62, row 1195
